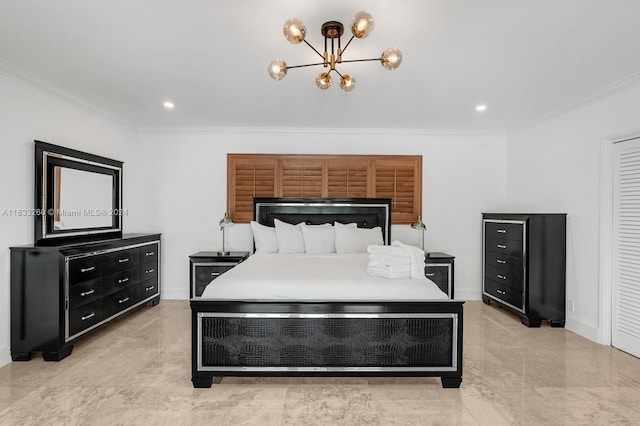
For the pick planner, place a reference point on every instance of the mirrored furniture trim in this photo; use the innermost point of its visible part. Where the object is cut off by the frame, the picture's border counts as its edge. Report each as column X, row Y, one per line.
column 213, row 263
column 439, row 268
column 47, row 158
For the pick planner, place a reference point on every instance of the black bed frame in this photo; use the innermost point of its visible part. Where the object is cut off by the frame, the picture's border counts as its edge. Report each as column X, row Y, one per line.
column 277, row 338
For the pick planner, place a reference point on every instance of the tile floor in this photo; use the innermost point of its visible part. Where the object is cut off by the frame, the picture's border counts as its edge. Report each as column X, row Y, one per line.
column 136, row 371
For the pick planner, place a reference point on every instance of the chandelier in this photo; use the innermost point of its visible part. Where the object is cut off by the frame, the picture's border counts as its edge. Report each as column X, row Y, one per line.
column 332, row 31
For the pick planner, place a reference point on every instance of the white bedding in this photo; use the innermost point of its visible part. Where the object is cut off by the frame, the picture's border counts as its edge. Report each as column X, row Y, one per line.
column 319, row 277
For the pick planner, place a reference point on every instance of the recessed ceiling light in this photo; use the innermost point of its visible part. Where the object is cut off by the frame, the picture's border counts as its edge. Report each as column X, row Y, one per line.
column 481, row 108
column 168, row 105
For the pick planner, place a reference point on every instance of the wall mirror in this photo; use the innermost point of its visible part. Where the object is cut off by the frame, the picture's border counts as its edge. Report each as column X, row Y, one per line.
column 78, row 195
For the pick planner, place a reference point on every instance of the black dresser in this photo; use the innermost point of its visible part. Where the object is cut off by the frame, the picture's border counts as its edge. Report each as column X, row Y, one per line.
column 524, row 265
column 59, row 293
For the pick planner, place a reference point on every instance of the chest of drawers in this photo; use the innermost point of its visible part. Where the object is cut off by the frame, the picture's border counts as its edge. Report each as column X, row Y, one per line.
column 524, row 264
column 60, row 293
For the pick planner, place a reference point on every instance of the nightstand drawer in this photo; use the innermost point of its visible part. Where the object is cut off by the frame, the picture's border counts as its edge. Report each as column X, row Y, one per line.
column 505, row 293
column 440, row 274
column 206, row 273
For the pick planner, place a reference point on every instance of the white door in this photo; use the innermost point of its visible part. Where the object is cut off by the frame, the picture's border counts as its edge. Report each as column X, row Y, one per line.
column 625, row 325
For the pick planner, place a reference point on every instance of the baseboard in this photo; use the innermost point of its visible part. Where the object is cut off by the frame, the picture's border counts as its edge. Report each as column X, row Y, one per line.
column 174, row 293
column 5, row 355
column 585, row 330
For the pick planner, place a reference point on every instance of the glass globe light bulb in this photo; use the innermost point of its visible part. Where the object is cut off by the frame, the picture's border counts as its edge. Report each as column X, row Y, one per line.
column 362, row 24
column 391, row 58
column 277, row 69
column 323, row 80
column 347, row 82
column 294, row 30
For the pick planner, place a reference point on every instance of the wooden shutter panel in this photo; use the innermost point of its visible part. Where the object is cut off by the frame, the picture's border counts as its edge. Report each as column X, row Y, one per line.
column 347, row 178
column 301, row 177
column 248, row 177
column 400, row 179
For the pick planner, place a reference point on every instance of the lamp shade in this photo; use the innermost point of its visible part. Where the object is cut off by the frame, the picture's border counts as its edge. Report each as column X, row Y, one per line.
column 418, row 224
column 226, row 221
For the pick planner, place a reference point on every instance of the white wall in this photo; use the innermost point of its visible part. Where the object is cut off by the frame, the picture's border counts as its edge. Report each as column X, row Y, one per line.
column 555, row 167
column 184, row 176
column 27, row 113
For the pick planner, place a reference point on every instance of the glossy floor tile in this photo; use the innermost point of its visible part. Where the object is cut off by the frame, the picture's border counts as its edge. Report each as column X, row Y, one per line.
column 136, row 371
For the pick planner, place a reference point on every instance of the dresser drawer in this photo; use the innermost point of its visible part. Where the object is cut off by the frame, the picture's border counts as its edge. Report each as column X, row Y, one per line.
column 122, row 259
column 84, row 269
column 505, row 293
column 148, row 288
column 85, row 316
column 504, row 277
column 148, row 253
column 504, row 246
column 120, row 280
column 85, row 292
column 148, row 271
column 504, row 262
column 121, row 300
column 509, row 231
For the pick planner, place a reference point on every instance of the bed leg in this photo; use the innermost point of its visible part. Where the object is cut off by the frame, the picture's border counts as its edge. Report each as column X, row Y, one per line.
column 202, row 382
column 451, row 382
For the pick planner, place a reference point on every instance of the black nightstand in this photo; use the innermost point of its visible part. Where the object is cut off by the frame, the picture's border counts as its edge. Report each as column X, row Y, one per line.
column 206, row 266
column 439, row 269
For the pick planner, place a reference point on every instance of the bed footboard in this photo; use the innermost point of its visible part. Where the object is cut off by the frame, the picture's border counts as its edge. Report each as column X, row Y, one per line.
column 328, row 339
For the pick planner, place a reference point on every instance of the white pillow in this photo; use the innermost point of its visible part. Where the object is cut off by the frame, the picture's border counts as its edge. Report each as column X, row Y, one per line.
column 264, row 238
column 290, row 239
column 319, row 239
column 356, row 240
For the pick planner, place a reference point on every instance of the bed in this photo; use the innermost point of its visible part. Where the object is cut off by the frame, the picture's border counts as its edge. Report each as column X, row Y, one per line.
column 272, row 316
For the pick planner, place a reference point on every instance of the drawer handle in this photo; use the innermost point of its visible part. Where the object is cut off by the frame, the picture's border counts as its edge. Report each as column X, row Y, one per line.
column 429, row 275
column 123, row 280
column 501, row 231
column 88, row 269
column 215, row 274
column 151, row 287
column 502, row 246
column 502, row 277
column 148, row 271
column 86, row 317
column 500, row 291
column 87, row 293
column 501, row 261
column 150, row 253
column 123, row 300
column 123, row 260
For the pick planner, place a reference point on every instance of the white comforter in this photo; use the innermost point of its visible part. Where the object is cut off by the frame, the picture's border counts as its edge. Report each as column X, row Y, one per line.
column 307, row 277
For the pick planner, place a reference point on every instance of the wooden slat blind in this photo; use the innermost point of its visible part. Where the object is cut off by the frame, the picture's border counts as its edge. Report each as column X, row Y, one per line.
column 398, row 177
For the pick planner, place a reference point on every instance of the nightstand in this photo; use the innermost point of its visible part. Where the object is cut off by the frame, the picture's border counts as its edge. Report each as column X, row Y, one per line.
column 206, row 266
column 439, row 269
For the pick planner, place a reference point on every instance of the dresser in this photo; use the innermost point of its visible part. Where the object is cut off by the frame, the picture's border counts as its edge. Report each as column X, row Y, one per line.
column 60, row 293
column 206, row 266
column 439, row 268
column 524, row 265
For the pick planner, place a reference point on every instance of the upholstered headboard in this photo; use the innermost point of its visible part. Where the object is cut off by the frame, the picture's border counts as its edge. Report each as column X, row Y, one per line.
column 366, row 212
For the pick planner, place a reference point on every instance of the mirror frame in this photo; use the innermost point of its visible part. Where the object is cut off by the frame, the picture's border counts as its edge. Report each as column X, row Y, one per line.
column 47, row 157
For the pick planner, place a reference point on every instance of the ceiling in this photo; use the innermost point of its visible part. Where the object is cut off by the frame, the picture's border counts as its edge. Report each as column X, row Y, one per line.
column 523, row 59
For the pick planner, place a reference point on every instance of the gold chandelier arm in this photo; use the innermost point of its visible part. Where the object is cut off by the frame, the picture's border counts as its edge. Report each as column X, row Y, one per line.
column 314, row 49
column 361, row 60
column 347, row 45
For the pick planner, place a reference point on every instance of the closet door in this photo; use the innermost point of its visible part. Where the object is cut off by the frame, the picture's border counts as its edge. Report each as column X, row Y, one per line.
column 626, row 247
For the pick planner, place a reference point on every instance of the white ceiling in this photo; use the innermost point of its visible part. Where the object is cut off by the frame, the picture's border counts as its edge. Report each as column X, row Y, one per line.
column 523, row 59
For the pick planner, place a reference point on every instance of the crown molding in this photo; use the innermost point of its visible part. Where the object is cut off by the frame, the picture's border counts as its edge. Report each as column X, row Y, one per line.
column 25, row 77
column 203, row 130
column 628, row 82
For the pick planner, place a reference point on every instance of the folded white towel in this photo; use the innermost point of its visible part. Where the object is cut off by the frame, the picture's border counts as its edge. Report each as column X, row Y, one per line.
column 386, row 250
column 417, row 259
column 387, row 260
column 389, row 272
